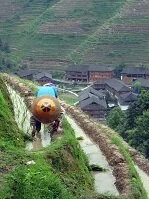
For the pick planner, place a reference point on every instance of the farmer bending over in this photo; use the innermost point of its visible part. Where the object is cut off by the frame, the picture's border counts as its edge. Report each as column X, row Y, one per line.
column 48, row 89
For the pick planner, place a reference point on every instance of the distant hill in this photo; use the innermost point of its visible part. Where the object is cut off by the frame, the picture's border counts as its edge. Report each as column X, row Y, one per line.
column 53, row 34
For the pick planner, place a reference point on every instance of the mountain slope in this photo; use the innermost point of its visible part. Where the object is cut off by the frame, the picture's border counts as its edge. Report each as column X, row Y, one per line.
column 53, row 34
column 124, row 39
column 54, row 30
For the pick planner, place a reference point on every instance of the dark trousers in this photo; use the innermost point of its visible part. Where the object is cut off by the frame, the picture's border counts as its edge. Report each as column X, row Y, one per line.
column 37, row 124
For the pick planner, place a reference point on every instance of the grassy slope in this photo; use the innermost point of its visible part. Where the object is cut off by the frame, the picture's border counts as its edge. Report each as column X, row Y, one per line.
column 11, row 142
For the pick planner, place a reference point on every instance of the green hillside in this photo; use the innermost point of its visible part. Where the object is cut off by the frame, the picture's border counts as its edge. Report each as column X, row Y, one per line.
column 52, row 34
column 124, row 39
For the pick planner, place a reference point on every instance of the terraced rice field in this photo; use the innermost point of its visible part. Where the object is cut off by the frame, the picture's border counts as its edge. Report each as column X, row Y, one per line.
column 52, row 34
column 124, row 39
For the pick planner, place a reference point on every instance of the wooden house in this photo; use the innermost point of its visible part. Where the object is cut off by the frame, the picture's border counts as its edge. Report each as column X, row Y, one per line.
column 25, row 74
column 94, row 106
column 93, row 103
column 129, row 74
column 127, row 98
column 99, row 85
column 86, row 73
column 77, row 73
column 92, row 91
column 100, row 73
column 117, row 87
column 43, row 78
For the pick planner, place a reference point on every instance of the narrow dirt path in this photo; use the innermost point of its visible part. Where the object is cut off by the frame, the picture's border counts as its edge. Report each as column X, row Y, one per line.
column 104, row 181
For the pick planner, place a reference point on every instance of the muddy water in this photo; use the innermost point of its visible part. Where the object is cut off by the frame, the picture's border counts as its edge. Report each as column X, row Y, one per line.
column 104, row 181
column 22, row 117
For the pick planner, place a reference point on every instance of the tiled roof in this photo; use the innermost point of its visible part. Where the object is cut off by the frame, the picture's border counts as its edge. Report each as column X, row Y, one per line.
column 128, row 97
column 99, row 82
column 96, row 103
column 77, row 68
column 91, row 90
column 86, row 68
column 135, row 70
column 42, row 74
column 24, row 73
column 117, row 85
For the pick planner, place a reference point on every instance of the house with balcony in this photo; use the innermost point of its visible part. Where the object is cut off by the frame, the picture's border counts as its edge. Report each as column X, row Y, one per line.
column 88, row 73
column 77, row 73
column 129, row 74
column 100, row 73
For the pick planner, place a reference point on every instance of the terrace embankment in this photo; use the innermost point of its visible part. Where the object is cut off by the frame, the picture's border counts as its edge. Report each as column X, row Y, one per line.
column 123, row 168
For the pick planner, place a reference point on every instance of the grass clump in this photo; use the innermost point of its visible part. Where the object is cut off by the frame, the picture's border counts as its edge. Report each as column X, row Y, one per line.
column 37, row 181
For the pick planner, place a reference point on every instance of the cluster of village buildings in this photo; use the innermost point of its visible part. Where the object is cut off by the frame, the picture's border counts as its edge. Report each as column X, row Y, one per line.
column 93, row 99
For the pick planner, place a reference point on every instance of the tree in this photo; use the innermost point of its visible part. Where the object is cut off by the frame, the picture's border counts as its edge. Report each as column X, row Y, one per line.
column 136, row 109
column 137, row 87
column 141, row 136
column 116, row 119
column 118, row 69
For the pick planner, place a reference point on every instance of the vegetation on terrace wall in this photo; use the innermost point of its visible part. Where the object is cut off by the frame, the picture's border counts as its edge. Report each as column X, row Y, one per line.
column 11, row 139
column 8, row 127
column 138, row 191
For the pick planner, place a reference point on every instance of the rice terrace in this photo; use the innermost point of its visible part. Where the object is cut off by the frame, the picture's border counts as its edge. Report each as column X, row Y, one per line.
column 74, row 99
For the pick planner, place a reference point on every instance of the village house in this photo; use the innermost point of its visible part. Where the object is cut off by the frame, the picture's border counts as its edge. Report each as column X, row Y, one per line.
column 100, row 73
column 99, row 85
column 86, row 73
column 94, row 106
column 25, row 74
column 93, row 103
column 77, row 73
column 92, row 91
column 127, row 98
column 129, row 74
column 116, row 87
column 43, row 78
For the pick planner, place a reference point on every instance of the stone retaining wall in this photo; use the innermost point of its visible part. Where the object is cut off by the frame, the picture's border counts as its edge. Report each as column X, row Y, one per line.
column 24, row 91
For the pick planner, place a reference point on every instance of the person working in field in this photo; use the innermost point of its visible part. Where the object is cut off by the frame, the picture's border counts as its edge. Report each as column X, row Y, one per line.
column 48, row 89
